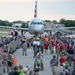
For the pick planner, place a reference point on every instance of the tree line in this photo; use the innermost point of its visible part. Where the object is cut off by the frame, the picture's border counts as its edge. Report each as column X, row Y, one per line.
column 67, row 23
column 5, row 23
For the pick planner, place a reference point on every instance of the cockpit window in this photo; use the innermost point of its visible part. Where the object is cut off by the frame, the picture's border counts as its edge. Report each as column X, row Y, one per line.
column 37, row 23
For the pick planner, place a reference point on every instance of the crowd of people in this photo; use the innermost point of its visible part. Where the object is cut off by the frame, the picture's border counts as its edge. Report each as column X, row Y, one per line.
column 61, row 48
column 64, row 50
column 8, row 45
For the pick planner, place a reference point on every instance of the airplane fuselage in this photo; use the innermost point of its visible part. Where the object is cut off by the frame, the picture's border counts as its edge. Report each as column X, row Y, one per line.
column 36, row 26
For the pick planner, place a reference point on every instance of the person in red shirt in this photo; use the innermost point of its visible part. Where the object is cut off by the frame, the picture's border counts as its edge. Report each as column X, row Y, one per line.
column 46, row 47
column 61, row 48
column 57, row 46
column 62, row 60
column 57, row 49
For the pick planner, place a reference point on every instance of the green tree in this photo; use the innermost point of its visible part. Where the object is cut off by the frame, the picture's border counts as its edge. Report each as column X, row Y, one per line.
column 54, row 21
column 17, row 21
column 69, row 23
column 8, row 23
column 47, row 21
column 62, row 21
column 2, row 23
column 24, row 25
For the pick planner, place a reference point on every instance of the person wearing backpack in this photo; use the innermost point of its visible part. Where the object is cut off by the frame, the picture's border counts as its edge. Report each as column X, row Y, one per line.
column 54, row 64
column 70, row 55
column 10, row 63
column 4, row 61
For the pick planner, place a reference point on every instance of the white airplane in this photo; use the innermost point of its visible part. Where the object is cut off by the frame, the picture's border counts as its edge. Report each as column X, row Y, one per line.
column 36, row 25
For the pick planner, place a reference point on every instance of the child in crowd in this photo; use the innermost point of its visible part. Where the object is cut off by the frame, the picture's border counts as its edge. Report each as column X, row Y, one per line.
column 66, row 67
column 66, row 64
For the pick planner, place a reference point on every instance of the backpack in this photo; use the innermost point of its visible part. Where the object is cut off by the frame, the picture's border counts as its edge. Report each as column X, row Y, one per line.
column 63, row 51
column 15, row 61
column 10, row 63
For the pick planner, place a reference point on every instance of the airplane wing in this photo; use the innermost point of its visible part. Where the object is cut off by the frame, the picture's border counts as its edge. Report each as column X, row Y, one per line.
column 48, row 29
column 66, row 28
column 7, row 27
column 59, row 28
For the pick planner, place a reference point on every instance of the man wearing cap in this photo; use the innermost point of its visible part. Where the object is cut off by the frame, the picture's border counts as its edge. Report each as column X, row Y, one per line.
column 54, row 64
column 38, row 61
column 25, row 70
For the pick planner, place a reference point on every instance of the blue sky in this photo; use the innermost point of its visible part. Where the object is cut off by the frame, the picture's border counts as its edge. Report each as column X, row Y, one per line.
column 12, row 10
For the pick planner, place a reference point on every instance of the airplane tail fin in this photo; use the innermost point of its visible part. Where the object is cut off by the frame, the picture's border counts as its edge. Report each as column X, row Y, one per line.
column 35, row 12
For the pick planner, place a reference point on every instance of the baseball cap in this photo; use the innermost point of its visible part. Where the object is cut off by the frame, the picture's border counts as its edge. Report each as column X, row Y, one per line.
column 25, row 69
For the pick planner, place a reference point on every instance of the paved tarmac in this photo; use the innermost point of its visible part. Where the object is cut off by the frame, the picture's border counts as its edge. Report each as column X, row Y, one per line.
column 29, row 61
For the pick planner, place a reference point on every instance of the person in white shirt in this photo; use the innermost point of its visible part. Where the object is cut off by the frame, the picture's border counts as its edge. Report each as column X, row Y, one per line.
column 34, row 48
column 38, row 44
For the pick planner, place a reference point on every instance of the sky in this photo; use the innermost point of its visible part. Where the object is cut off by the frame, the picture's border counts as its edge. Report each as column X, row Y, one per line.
column 13, row 10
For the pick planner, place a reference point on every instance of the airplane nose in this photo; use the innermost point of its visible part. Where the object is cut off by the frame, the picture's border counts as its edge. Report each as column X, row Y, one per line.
column 39, row 29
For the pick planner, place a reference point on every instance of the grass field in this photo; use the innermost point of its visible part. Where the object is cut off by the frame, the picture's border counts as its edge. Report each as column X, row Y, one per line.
column 4, row 29
column 3, row 34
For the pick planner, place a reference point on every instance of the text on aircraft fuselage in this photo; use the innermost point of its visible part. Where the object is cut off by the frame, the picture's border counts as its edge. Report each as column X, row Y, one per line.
column 36, row 23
